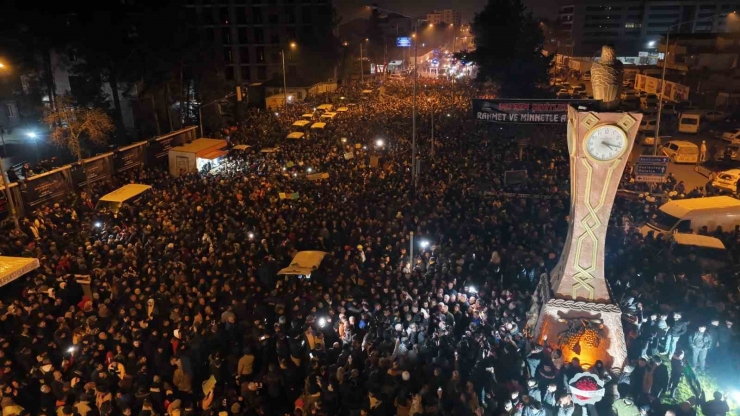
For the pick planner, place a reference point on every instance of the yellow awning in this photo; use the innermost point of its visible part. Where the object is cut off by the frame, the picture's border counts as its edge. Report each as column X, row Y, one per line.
column 12, row 268
column 213, row 155
column 295, row 135
column 241, row 147
column 318, row 125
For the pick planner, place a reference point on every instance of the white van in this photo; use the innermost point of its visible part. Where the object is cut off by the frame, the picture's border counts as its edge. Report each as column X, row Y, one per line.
column 685, row 215
column 689, row 122
column 681, row 151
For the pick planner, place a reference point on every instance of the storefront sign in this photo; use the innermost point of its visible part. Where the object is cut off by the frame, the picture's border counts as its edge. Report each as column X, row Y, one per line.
column 524, row 111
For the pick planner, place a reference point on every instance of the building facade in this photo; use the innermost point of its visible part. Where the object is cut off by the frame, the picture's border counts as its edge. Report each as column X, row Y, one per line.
column 444, row 16
column 635, row 27
column 249, row 36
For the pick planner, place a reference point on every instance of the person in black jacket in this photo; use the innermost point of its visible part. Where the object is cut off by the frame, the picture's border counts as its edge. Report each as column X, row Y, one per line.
column 675, row 332
column 660, row 377
column 700, row 342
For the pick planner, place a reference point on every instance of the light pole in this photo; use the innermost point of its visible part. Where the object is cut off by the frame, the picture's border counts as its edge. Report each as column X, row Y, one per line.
column 285, row 82
column 6, row 181
column 362, row 62
column 432, row 141
column 662, row 76
column 414, row 170
column 2, row 138
column 452, row 88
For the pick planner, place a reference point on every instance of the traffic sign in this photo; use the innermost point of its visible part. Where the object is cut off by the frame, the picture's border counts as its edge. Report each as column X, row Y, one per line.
column 651, row 170
column 650, row 178
column 654, row 159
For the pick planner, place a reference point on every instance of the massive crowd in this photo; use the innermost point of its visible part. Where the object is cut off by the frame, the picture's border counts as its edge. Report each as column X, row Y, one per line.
column 186, row 313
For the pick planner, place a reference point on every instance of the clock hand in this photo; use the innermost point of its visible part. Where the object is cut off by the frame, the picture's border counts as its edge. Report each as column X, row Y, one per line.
column 609, row 145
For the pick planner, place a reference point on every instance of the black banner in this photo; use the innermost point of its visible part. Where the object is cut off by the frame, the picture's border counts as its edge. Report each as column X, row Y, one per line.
column 158, row 149
column 130, row 158
column 514, row 177
column 524, row 111
column 97, row 170
column 47, row 188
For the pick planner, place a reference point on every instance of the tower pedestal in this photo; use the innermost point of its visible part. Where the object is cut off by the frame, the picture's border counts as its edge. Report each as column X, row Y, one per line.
column 585, row 330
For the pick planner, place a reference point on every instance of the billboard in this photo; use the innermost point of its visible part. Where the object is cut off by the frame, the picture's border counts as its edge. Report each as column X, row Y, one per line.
column 673, row 91
column 403, row 42
column 47, row 187
column 524, row 111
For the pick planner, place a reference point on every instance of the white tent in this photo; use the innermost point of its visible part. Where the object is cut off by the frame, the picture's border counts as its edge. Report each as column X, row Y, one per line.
column 12, row 268
column 304, row 263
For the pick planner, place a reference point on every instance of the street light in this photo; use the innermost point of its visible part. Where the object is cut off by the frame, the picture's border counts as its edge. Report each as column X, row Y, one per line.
column 31, row 134
column 379, row 143
column 362, row 62
column 432, row 141
column 662, row 76
column 285, row 82
column 6, row 182
column 414, row 169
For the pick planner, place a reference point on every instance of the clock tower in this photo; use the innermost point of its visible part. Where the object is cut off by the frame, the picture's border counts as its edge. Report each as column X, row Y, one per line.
column 577, row 312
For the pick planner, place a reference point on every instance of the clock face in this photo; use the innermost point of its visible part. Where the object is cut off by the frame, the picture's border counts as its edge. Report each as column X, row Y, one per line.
column 606, row 143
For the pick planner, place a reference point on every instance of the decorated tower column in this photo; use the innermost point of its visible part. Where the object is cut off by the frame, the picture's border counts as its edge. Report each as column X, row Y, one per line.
column 577, row 312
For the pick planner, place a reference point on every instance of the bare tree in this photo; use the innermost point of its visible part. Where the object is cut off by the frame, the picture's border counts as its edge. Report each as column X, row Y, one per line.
column 71, row 124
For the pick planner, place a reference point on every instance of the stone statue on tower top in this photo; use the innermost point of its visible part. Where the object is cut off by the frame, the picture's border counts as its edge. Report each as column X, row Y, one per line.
column 606, row 78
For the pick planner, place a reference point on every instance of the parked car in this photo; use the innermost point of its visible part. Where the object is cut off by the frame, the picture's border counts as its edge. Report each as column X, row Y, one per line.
column 669, row 109
column 649, row 140
column 715, row 115
column 578, row 88
column 650, row 112
column 649, row 100
column 681, row 151
column 732, row 136
column 727, row 180
column 647, row 125
column 628, row 94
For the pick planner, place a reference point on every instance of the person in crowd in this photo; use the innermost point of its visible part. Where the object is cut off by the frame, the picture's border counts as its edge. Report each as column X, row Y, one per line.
column 700, row 342
column 677, row 329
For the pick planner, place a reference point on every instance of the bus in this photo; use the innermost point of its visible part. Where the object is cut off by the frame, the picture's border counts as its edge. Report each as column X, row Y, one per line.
column 689, row 122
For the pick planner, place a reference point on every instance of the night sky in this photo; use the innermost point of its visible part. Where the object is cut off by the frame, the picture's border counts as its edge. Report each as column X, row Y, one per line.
column 351, row 9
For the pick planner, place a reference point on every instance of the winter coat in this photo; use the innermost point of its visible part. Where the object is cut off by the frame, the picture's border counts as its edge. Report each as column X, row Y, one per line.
column 700, row 341
column 625, row 407
column 678, row 329
column 182, row 381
